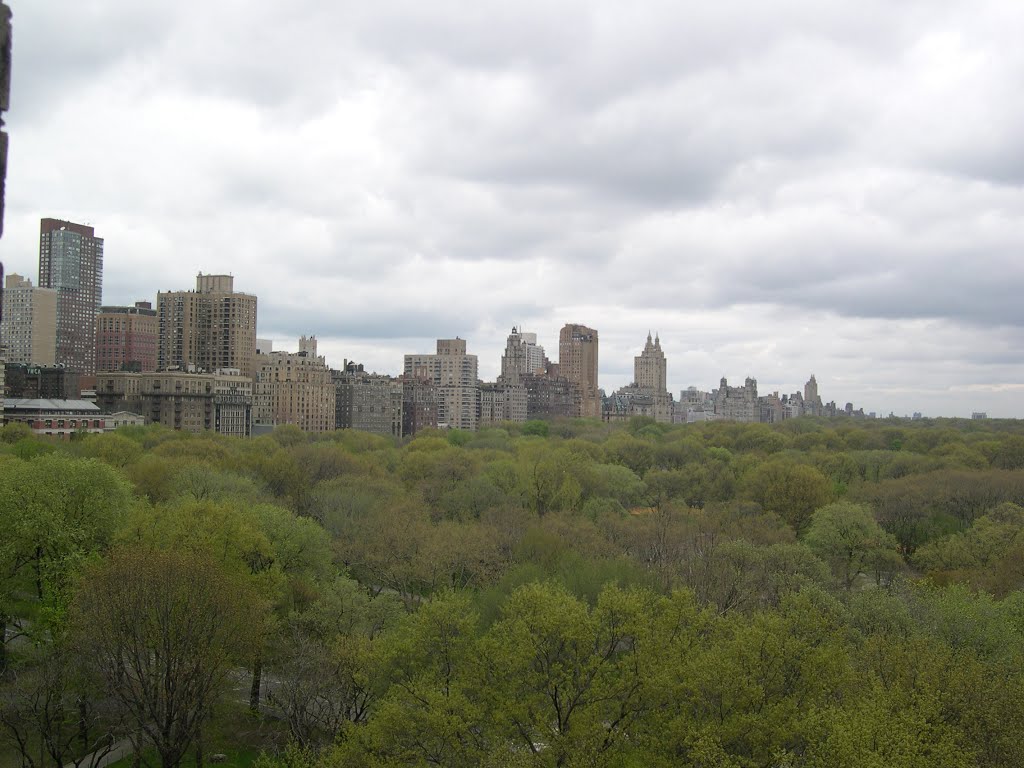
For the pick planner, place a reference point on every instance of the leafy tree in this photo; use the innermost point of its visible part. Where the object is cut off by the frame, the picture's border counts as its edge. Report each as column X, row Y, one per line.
column 161, row 629
column 792, row 491
column 847, row 537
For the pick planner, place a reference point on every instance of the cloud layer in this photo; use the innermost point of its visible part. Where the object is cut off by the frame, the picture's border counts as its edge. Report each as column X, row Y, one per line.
column 778, row 189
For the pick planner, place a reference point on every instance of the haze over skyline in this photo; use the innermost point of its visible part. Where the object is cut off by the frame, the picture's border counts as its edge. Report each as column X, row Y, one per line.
column 778, row 190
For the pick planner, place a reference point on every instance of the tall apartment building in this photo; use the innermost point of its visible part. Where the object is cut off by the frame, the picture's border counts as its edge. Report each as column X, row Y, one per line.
column 501, row 402
column 455, row 374
column 551, row 397
column 737, row 403
column 294, row 388
column 522, row 356
column 650, row 370
column 127, row 338
column 210, row 328
column 193, row 402
column 577, row 361
column 812, row 400
column 368, row 402
column 420, row 403
column 650, row 376
column 71, row 263
column 28, row 330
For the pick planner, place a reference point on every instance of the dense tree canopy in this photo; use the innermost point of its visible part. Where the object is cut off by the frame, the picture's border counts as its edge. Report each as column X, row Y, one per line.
column 812, row 593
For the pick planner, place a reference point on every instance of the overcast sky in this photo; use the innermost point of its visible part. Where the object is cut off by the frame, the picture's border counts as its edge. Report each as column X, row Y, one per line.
column 778, row 189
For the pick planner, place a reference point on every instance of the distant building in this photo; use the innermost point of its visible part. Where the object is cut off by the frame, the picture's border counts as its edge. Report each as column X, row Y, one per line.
column 551, row 397
column 578, row 362
column 71, row 263
column 812, row 405
column 455, row 374
column 522, row 357
column 55, row 418
column 127, row 338
column 977, row 415
column 294, row 388
column 648, row 395
column 35, row 382
column 694, row 405
column 125, row 419
column 368, row 402
column 737, row 403
column 28, row 329
column 208, row 329
column 194, row 402
column 421, row 402
column 501, row 402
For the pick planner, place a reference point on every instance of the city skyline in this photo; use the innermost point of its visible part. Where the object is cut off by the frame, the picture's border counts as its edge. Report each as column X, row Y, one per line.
column 777, row 192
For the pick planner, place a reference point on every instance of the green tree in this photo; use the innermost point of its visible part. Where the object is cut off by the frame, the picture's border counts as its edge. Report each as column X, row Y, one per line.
column 847, row 537
column 161, row 629
column 792, row 491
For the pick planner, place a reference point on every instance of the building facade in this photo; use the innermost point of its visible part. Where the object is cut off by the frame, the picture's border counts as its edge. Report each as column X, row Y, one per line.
column 455, row 374
column 367, row 401
column 551, row 397
column 294, row 388
column 501, row 402
column 578, row 362
column 522, row 357
column 56, row 418
column 28, row 328
column 127, row 338
column 71, row 263
column 737, row 403
column 35, row 382
column 649, row 395
column 194, row 402
column 420, row 405
column 210, row 328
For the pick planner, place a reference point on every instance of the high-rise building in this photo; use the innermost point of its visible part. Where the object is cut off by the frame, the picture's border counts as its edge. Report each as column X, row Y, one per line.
column 368, row 402
column 651, row 396
column 28, row 329
column 522, row 356
column 455, row 374
column 71, row 263
column 294, row 388
column 577, row 361
column 127, row 338
column 501, row 402
column 208, row 329
column 812, row 400
column 650, row 371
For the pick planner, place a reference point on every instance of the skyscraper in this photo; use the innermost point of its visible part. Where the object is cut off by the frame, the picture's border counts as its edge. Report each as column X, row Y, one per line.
column 208, row 329
column 577, row 361
column 522, row 356
column 650, row 371
column 71, row 262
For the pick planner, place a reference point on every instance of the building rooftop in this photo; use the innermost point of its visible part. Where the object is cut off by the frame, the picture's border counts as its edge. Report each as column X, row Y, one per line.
column 39, row 404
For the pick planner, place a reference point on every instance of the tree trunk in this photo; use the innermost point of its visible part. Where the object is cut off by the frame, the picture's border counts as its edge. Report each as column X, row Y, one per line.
column 3, row 643
column 257, row 677
column 199, row 748
column 83, row 723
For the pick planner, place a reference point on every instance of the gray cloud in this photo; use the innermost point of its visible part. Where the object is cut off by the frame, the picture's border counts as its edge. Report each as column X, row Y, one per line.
column 780, row 189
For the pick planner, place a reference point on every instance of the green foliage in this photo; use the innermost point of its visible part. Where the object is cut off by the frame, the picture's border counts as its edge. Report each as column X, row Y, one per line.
column 559, row 593
column 847, row 537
